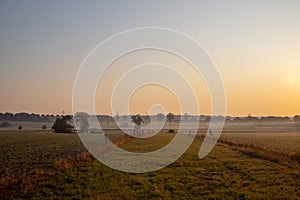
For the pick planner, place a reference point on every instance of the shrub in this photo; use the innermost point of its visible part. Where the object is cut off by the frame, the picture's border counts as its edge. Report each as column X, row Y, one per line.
column 171, row 131
column 44, row 127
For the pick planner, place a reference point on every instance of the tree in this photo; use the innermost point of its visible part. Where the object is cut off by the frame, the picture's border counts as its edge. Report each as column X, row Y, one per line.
column 137, row 119
column 297, row 121
column 82, row 122
column 62, row 125
column 8, row 116
column 160, row 117
column 170, row 117
column 297, row 118
column 186, row 117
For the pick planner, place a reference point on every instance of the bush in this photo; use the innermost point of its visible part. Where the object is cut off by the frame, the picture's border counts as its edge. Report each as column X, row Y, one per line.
column 44, row 127
column 171, row 131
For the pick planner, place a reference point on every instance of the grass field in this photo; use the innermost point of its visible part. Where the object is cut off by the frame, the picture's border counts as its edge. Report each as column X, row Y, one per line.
column 285, row 142
column 43, row 165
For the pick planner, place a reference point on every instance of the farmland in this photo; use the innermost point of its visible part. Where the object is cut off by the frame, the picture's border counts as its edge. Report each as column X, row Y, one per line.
column 45, row 165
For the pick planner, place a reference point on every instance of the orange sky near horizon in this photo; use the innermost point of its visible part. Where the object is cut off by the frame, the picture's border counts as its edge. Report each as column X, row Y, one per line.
column 254, row 44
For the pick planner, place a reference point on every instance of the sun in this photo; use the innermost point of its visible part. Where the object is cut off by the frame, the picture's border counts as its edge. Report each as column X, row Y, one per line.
column 290, row 79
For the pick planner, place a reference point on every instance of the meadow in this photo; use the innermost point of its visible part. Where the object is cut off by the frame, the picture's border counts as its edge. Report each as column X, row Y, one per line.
column 243, row 165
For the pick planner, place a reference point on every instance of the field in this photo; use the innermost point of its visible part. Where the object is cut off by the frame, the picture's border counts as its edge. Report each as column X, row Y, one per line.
column 244, row 165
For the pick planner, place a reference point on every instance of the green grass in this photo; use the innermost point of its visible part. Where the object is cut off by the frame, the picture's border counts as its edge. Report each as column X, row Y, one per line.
column 225, row 173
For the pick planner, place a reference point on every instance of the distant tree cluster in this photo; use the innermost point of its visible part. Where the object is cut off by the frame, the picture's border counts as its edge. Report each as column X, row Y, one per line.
column 272, row 118
column 250, row 118
column 26, row 117
column 173, row 118
column 63, row 124
column 297, row 118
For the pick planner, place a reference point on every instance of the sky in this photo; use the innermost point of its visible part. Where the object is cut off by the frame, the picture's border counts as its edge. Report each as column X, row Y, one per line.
column 254, row 44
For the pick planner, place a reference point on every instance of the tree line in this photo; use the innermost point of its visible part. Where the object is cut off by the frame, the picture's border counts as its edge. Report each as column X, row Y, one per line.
column 23, row 116
column 64, row 124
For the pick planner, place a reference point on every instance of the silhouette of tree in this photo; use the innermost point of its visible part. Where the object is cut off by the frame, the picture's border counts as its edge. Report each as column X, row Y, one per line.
column 297, row 118
column 297, row 121
column 160, row 117
column 62, row 125
column 251, row 118
column 8, row 116
column 82, row 122
column 137, row 119
column 186, row 117
column 170, row 117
